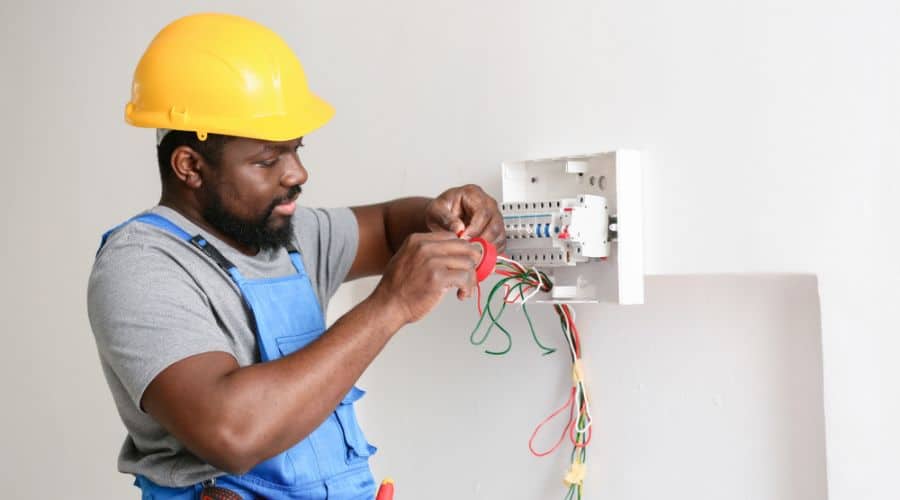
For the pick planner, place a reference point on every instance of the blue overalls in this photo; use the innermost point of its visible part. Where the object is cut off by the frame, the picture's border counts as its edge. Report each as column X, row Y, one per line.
column 332, row 461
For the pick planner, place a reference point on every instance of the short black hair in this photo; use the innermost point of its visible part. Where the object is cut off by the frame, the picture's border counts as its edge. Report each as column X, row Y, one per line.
column 210, row 149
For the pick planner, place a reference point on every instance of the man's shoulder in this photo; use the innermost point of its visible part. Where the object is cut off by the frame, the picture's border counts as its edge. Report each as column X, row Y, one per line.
column 136, row 251
column 144, row 266
column 134, row 239
column 311, row 222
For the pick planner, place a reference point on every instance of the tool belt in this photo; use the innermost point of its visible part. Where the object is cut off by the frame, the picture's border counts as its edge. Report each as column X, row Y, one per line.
column 212, row 492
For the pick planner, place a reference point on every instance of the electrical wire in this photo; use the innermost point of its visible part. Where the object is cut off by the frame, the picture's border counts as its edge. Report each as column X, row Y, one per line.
column 518, row 285
column 517, row 280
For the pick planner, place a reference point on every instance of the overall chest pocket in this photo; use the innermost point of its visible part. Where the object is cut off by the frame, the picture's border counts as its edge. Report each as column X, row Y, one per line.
column 290, row 344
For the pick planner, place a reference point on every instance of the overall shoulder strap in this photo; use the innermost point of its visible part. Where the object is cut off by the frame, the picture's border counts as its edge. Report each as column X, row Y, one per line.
column 296, row 260
column 152, row 219
column 167, row 225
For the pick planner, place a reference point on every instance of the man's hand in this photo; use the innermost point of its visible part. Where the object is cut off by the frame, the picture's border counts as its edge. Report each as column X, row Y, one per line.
column 469, row 209
column 423, row 269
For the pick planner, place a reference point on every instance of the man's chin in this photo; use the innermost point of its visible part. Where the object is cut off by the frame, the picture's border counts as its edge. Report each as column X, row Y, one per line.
column 278, row 222
column 278, row 233
column 272, row 232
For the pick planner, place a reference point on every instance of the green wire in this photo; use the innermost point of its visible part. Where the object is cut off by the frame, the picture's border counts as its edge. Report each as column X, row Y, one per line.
column 575, row 490
column 484, row 313
column 547, row 350
column 495, row 320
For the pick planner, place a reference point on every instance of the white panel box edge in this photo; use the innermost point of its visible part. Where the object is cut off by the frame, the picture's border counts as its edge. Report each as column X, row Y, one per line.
column 630, row 227
column 542, row 198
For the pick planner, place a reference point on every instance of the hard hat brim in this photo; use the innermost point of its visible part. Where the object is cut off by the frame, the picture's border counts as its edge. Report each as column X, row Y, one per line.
column 314, row 113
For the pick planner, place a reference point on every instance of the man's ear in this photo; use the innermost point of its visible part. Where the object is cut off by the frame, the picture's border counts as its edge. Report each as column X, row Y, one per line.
column 185, row 163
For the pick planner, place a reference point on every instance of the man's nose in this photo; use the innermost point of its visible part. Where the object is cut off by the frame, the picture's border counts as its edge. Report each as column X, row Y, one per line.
column 294, row 173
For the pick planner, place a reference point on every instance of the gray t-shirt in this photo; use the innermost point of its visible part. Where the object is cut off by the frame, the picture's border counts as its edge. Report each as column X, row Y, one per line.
column 154, row 299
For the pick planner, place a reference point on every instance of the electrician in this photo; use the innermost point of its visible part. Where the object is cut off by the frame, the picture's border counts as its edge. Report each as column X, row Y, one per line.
column 208, row 309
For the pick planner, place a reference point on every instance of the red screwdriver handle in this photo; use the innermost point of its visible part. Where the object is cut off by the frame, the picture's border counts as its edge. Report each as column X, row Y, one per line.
column 386, row 490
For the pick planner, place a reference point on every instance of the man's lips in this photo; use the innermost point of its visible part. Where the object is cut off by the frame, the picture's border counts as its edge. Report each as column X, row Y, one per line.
column 286, row 207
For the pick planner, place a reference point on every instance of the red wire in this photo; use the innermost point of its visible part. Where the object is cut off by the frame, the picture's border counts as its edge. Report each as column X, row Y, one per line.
column 522, row 291
column 478, row 299
column 509, row 290
column 571, row 404
column 515, row 264
column 576, row 339
column 575, row 442
column 571, row 426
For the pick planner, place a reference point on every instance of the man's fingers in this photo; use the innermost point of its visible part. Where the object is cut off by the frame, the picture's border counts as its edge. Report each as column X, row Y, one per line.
column 443, row 217
column 454, row 271
column 477, row 223
column 495, row 232
column 423, row 239
column 452, row 247
column 463, row 281
column 463, row 294
column 454, row 262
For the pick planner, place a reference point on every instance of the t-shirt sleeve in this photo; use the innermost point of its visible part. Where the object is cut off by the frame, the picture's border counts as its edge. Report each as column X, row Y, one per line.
column 148, row 313
column 332, row 235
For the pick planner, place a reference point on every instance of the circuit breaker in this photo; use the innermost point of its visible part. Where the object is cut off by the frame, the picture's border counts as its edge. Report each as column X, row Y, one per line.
column 580, row 220
column 562, row 232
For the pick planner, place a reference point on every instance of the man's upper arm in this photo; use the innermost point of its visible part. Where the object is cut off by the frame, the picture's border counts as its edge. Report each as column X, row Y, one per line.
column 148, row 313
column 374, row 250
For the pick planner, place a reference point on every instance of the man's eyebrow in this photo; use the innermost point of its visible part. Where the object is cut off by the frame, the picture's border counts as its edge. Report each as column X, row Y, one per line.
column 282, row 147
column 261, row 151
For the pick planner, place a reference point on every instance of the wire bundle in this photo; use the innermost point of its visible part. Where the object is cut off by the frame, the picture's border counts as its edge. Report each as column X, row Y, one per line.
column 519, row 285
column 578, row 426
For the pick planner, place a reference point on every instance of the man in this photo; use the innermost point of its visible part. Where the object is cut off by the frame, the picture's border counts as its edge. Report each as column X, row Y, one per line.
column 208, row 308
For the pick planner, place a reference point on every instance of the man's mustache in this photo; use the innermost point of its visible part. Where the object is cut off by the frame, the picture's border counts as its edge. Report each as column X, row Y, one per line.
column 292, row 193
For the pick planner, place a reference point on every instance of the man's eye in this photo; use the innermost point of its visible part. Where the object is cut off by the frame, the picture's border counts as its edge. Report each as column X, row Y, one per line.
column 268, row 163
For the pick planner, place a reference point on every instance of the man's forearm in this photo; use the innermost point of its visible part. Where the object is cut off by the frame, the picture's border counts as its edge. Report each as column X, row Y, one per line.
column 403, row 217
column 271, row 406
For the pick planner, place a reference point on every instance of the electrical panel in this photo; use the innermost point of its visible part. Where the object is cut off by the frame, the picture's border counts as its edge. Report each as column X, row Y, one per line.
column 580, row 220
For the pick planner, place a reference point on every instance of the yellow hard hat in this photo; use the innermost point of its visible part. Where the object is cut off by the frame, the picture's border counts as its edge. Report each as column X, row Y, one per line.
column 223, row 74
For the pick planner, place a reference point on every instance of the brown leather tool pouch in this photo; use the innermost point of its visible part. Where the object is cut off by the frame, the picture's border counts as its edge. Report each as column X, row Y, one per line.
column 218, row 493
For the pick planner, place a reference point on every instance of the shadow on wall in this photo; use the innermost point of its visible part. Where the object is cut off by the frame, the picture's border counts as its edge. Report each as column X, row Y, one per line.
column 711, row 390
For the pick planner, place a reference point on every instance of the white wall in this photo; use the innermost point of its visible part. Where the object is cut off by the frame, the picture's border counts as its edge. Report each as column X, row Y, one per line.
column 712, row 390
column 770, row 130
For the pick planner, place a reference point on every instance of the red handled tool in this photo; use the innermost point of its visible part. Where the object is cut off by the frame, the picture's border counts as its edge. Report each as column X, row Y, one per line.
column 386, row 491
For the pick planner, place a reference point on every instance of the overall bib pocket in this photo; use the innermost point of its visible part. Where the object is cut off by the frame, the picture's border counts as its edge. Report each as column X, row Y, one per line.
column 293, row 343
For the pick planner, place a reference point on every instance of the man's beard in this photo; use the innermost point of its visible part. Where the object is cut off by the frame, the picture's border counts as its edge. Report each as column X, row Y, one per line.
column 252, row 233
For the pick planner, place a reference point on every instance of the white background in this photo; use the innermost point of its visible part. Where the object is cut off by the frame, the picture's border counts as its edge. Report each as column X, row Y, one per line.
column 770, row 130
